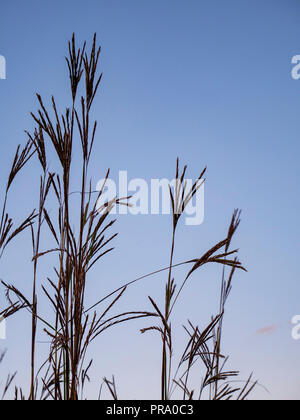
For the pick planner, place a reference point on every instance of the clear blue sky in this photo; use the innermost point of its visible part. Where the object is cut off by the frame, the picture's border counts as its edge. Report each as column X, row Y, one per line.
column 210, row 82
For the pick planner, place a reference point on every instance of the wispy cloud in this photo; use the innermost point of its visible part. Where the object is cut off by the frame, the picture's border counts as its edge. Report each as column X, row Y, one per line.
column 266, row 330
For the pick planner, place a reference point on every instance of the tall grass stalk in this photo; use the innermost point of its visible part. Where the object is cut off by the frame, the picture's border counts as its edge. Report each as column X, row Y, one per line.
column 80, row 241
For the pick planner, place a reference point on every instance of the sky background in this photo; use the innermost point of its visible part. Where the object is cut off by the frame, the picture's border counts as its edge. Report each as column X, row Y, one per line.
column 209, row 82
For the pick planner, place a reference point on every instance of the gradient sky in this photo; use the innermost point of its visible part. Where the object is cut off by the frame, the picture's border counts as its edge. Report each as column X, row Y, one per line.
column 209, row 82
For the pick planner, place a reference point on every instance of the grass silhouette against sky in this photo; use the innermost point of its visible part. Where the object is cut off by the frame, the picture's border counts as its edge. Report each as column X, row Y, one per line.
column 209, row 82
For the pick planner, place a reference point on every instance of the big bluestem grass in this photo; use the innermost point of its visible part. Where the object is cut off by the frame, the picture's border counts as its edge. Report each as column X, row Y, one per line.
column 80, row 241
column 202, row 346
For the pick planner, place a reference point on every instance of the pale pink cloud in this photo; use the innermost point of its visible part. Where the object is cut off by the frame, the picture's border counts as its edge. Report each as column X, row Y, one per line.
column 266, row 330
